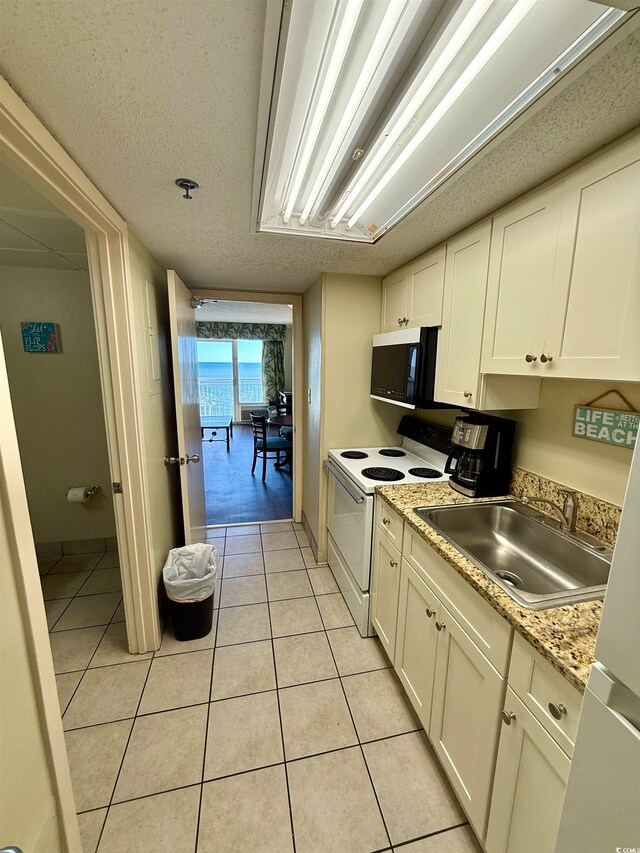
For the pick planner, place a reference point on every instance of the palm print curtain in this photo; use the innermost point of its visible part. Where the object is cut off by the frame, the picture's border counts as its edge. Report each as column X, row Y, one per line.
column 272, row 337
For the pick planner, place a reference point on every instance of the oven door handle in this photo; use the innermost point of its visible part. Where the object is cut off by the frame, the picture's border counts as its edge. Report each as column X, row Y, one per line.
column 359, row 499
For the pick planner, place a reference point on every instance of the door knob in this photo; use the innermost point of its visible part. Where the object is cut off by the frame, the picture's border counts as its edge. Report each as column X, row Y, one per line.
column 10, row 850
column 557, row 711
column 529, row 357
column 545, row 357
column 194, row 458
column 468, row 394
column 393, row 563
column 173, row 460
column 507, row 717
column 430, row 612
column 440, row 626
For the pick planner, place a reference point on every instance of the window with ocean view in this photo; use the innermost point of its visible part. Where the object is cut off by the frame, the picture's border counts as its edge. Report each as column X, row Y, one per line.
column 229, row 374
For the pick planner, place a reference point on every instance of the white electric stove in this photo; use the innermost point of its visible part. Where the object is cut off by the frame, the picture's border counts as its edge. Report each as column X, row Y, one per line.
column 354, row 474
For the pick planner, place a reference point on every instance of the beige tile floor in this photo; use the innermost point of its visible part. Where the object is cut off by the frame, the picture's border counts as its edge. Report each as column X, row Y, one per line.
column 282, row 730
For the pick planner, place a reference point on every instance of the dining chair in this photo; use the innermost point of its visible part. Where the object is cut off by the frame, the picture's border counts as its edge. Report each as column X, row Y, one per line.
column 264, row 444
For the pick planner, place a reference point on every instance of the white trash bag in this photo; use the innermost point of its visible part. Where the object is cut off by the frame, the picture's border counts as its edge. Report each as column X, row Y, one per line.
column 190, row 572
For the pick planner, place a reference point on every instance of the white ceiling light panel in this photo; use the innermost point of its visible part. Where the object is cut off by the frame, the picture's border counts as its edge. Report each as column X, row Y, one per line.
column 379, row 101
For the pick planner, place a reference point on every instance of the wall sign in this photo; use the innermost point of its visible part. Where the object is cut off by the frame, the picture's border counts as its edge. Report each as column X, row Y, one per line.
column 610, row 426
column 40, row 337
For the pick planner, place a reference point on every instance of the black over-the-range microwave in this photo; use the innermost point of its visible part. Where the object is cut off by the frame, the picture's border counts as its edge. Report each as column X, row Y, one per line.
column 403, row 368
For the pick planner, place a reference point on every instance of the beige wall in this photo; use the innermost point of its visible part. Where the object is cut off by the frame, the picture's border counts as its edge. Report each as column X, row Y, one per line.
column 288, row 360
column 28, row 807
column 149, row 282
column 57, row 402
column 341, row 315
column 351, row 319
column 544, row 443
column 312, row 311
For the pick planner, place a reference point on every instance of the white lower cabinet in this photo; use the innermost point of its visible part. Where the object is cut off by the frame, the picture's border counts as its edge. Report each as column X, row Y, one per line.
column 530, row 781
column 384, row 591
column 505, row 754
column 468, row 694
column 416, row 641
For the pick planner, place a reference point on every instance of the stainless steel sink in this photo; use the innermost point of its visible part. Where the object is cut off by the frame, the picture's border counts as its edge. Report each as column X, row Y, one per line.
column 524, row 552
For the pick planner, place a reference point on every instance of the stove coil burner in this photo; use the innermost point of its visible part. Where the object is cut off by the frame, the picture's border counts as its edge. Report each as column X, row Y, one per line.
column 427, row 473
column 389, row 451
column 385, row 474
column 354, row 454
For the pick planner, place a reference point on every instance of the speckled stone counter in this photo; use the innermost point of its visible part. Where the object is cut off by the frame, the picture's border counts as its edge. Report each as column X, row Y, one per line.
column 565, row 636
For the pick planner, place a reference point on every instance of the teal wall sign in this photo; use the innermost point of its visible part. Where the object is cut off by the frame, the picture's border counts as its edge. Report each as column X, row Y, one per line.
column 40, row 337
column 610, row 426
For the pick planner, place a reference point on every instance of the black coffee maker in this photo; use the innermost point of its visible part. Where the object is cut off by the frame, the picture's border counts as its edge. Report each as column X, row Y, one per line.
column 480, row 460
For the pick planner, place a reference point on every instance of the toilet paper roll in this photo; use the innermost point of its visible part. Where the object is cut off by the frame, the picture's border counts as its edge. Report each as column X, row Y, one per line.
column 78, row 495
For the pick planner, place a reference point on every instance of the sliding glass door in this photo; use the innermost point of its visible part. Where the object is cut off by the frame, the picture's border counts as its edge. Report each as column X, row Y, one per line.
column 230, row 377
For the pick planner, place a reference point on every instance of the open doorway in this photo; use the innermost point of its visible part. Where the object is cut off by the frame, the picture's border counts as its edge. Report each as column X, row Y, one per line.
column 51, row 353
column 245, row 378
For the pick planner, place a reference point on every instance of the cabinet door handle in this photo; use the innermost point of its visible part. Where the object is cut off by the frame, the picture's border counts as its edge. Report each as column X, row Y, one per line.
column 399, row 321
column 529, row 357
column 440, row 626
column 545, row 357
column 558, row 710
column 386, row 520
column 468, row 394
column 507, row 717
column 430, row 612
column 393, row 563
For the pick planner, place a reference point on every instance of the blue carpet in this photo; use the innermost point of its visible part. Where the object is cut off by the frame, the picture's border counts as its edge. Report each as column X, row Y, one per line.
column 233, row 495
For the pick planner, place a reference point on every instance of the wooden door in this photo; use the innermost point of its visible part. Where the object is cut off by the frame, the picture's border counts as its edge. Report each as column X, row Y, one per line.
column 395, row 306
column 460, row 344
column 426, row 285
column 416, row 641
column 385, row 584
column 468, row 695
column 528, row 790
column 187, row 402
column 37, row 810
column 522, row 264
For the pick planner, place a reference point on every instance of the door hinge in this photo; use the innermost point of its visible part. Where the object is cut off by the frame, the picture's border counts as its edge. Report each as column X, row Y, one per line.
column 117, row 488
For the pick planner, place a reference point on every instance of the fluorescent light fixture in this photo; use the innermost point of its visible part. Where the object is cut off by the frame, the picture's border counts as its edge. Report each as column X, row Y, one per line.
column 418, row 87
column 476, row 65
column 380, row 44
column 345, row 25
column 456, row 35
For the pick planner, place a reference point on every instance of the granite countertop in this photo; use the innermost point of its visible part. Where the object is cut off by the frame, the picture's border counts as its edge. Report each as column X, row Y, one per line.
column 565, row 636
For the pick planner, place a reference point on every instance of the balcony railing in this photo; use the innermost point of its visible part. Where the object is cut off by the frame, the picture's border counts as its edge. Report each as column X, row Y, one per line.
column 216, row 395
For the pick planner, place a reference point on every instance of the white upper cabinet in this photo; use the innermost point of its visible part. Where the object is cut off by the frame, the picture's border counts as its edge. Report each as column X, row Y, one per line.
column 425, row 280
column 412, row 295
column 458, row 377
column 594, row 318
column 521, row 277
column 395, row 301
column 460, row 342
column 563, row 294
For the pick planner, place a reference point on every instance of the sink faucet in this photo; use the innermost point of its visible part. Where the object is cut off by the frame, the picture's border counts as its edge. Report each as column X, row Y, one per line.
column 567, row 514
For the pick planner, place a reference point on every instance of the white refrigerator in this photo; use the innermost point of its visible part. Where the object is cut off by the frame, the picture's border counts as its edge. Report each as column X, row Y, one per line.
column 601, row 811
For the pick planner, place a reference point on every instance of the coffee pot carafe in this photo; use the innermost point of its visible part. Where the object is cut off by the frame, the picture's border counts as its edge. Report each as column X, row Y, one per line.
column 480, row 460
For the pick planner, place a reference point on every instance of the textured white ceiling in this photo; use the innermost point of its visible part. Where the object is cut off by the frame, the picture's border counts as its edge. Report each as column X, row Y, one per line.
column 142, row 93
column 246, row 312
column 33, row 233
